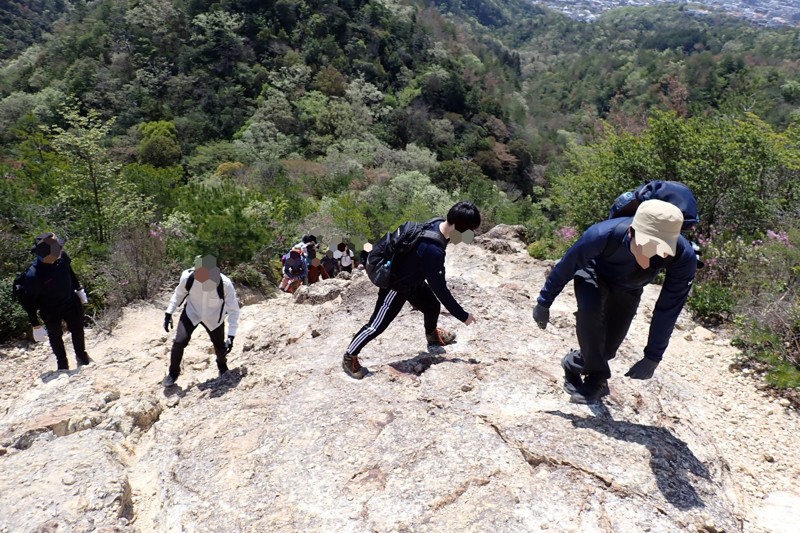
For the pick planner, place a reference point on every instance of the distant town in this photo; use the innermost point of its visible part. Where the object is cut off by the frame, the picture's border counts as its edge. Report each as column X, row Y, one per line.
column 766, row 12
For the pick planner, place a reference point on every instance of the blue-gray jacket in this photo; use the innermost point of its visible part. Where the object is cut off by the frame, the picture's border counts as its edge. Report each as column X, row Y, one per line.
column 605, row 247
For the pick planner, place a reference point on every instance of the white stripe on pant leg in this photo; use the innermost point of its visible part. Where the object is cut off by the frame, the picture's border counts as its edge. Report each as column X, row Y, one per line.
column 387, row 302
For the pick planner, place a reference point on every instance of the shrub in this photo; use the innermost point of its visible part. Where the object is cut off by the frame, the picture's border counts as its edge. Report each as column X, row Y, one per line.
column 250, row 275
column 768, row 306
column 137, row 266
column 554, row 245
column 711, row 303
column 13, row 320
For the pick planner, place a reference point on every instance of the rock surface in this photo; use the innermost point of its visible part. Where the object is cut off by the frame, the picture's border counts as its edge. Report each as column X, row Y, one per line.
column 480, row 438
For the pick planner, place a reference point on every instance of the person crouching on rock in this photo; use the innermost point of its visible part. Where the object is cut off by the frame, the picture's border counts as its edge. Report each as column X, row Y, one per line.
column 209, row 296
column 610, row 264
column 295, row 271
column 421, row 282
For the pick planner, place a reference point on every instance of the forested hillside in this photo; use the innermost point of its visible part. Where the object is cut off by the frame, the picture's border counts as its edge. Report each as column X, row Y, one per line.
column 149, row 131
column 24, row 22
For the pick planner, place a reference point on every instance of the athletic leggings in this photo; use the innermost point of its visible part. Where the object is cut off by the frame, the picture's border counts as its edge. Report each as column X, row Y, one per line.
column 388, row 306
column 184, row 334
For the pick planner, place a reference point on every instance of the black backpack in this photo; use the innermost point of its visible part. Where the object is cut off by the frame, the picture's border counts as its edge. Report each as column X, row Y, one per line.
column 18, row 293
column 381, row 261
column 673, row 192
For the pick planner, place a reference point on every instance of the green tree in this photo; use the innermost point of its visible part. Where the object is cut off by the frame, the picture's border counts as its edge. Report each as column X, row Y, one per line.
column 159, row 146
column 92, row 197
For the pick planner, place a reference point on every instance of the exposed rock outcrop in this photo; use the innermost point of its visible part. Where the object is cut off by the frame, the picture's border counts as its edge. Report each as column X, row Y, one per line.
column 479, row 438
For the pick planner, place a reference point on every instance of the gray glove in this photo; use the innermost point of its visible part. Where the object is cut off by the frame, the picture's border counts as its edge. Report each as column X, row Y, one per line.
column 229, row 344
column 642, row 369
column 541, row 315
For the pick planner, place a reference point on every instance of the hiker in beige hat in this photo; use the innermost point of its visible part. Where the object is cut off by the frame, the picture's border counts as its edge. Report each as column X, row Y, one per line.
column 610, row 264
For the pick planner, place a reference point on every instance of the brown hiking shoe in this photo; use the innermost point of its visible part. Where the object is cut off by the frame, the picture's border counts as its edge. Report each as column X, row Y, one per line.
column 352, row 368
column 440, row 337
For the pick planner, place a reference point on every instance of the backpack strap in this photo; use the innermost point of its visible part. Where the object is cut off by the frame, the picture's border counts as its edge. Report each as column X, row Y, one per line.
column 615, row 240
column 220, row 291
column 433, row 234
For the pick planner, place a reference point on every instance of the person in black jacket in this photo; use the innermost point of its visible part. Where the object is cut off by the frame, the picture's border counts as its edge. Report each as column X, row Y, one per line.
column 51, row 288
column 611, row 263
column 423, row 285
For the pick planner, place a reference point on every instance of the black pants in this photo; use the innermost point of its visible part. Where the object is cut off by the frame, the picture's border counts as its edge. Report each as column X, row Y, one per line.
column 182, row 337
column 72, row 314
column 603, row 319
column 387, row 308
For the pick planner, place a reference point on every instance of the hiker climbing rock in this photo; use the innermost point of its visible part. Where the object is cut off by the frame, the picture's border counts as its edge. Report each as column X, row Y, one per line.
column 51, row 287
column 610, row 264
column 417, row 277
column 209, row 296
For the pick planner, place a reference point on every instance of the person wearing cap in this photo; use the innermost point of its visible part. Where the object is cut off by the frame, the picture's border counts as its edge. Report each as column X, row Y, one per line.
column 210, row 296
column 51, row 288
column 610, row 264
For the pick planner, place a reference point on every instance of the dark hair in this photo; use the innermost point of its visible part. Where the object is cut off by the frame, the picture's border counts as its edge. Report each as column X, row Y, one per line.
column 464, row 216
column 341, row 247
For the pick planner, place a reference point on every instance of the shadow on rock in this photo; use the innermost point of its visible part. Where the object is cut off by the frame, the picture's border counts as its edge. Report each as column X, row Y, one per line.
column 54, row 374
column 174, row 390
column 670, row 457
column 221, row 385
column 424, row 360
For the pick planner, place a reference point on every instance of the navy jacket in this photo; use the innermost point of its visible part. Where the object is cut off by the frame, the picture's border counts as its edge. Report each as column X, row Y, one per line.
column 605, row 247
column 49, row 288
column 426, row 263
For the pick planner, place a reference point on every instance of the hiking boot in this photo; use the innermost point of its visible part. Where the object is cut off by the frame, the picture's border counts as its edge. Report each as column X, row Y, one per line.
column 169, row 381
column 591, row 391
column 352, row 368
column 438, row 338
column 83, row 361
column 572, row 379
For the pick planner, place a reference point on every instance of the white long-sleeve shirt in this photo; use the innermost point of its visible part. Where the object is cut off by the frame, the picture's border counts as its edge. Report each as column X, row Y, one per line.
column 206, row 306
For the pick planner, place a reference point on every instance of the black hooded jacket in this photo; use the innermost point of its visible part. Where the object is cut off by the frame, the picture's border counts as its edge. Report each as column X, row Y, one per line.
column 49, row 288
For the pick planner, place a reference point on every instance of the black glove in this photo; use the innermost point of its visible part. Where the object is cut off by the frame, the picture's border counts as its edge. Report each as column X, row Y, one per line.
column 229, row 344
column 168, row 322
column 643, row 369
column 541, row 315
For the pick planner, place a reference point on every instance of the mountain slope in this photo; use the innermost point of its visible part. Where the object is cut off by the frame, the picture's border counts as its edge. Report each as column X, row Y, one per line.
column 480, row 438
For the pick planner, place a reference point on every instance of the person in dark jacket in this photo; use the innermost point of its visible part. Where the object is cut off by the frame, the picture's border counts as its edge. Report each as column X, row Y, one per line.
column 51, row 288
column 422, row 284
column 610, row 264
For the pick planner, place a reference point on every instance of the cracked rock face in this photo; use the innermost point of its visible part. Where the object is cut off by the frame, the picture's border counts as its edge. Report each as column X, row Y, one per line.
column 478, row 438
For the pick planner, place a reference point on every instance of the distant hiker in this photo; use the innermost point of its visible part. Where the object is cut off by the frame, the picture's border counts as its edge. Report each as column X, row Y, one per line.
column 295, row 271
column 316, row 271
column 330, row 264
column 419, row 280
column 209, row 296
column 51, row 287
column 309, row 247
column 362, row 257
column 610, row 264
column 345, row 256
